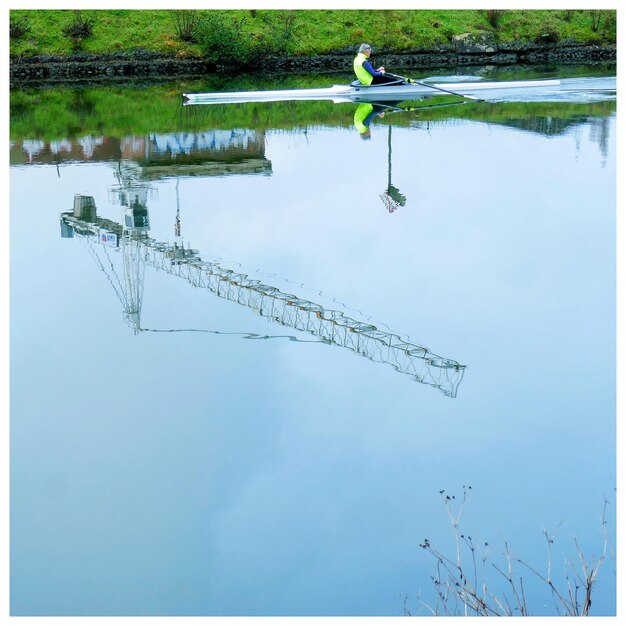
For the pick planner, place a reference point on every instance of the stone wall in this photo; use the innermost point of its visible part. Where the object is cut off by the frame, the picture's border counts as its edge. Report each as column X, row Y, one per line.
column 465, row 50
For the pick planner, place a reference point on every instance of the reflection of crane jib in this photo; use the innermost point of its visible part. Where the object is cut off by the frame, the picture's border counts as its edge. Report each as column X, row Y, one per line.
column 331, row 326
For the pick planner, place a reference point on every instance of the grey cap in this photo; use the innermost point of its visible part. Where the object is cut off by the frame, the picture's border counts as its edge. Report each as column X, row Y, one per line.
column 364, row 46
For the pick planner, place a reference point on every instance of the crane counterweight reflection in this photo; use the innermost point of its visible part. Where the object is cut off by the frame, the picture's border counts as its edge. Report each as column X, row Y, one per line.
column 139, row 250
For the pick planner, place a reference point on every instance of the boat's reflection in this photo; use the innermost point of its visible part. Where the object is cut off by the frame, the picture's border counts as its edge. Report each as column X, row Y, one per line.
column 138, row 251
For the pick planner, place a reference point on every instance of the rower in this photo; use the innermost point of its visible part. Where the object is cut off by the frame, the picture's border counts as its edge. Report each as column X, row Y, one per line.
column 364, row 71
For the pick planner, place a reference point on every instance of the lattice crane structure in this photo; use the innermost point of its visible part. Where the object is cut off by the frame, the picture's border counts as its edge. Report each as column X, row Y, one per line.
column 329, row 325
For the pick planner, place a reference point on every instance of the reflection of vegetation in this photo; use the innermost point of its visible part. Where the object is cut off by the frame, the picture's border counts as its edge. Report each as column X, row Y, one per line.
column 504, row 112
column 119, row 111
column 81, row 103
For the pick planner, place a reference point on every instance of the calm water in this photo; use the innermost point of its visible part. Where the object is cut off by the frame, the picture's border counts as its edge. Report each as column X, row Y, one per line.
column 249, row 348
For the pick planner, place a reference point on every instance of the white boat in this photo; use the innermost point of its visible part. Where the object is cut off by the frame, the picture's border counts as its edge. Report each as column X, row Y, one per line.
column 356, row 92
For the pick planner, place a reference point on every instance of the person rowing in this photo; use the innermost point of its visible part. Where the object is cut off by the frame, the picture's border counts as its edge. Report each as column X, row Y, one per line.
column 364, row 71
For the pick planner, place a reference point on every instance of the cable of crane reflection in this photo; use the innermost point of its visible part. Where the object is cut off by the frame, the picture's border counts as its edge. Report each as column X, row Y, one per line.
column 240, row 334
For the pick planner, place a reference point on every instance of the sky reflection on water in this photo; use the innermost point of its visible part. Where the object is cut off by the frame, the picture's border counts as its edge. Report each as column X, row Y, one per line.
column 195, row 473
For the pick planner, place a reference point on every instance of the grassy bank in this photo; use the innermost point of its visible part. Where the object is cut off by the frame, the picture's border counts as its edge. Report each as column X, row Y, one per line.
column 241, row 34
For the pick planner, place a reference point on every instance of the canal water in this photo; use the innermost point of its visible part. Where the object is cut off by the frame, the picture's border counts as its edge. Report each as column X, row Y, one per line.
column 261, row 353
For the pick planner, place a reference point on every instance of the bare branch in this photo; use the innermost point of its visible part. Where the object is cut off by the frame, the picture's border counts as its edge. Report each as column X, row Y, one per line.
column 456, row 595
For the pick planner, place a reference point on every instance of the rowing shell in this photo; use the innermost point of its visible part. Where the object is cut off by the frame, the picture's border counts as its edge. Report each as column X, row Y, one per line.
column 361, row 93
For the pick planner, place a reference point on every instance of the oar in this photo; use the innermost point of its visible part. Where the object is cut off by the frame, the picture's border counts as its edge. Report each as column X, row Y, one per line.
column 397, row 109
column 417, row 82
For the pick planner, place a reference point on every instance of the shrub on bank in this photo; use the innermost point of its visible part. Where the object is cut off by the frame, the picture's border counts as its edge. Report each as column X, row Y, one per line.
column 18, row 27
column 219, row 35
column 78, row 30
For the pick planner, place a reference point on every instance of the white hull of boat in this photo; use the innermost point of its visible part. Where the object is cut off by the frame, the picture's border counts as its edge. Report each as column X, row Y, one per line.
column 349, row 93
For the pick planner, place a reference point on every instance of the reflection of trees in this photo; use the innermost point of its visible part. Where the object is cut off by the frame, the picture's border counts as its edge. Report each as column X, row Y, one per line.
column 599, row 128
column 555, row 126
column 549, row 126
column 599, row 132
column 81, row 103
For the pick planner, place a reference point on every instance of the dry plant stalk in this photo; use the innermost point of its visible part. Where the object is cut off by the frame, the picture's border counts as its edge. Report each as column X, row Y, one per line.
column 460, row 591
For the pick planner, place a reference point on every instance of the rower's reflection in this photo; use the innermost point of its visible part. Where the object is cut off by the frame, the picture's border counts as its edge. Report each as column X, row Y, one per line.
column 365, row 113
column 363, row 116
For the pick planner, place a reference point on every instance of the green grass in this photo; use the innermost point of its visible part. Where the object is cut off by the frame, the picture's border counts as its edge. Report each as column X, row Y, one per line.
column 301, row 32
